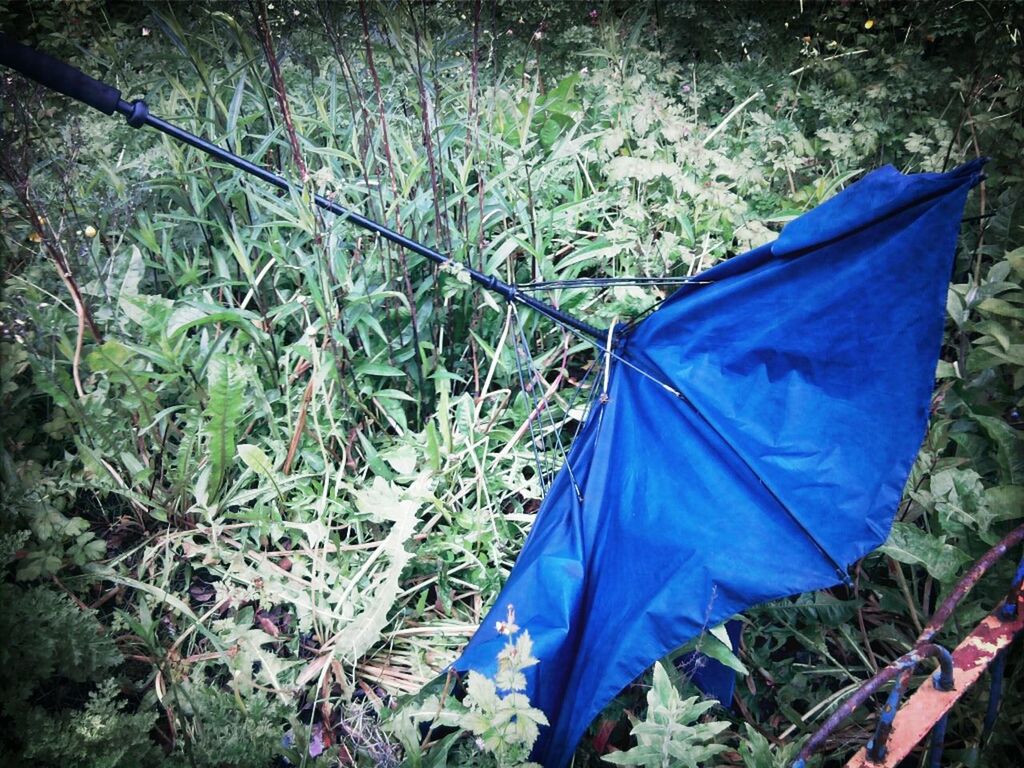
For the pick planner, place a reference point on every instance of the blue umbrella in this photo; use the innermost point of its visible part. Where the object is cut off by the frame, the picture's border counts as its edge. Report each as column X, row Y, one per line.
column 752, row 437
column 751, row 442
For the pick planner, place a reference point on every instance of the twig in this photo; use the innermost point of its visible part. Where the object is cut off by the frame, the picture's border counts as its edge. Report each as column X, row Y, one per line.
column 440, row 706
column 66, row 276
column 107, row 596
column 894, row 567
column 440, row 225
column 300, row 426
column 982, row 222
column 860, row 623
column 69, row 593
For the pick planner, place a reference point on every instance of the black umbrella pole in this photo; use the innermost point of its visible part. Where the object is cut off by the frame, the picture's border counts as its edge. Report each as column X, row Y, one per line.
column 63, row 78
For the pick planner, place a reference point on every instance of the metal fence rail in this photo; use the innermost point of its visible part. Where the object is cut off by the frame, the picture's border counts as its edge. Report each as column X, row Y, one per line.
column 901, row 728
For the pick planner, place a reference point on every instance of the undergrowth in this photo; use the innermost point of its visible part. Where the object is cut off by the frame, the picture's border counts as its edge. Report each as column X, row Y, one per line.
column 262, row 473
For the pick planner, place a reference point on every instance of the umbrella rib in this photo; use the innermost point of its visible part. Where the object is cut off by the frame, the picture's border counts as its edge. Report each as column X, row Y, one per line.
column 604, row 282
column 545, row 412
column 516, row 341
column 587, row 406
column 607, row 349
column 771, row 491
column 556, row 430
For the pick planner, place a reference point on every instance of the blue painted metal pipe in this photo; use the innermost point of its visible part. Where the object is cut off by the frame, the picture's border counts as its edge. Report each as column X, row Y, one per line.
column 995, row 695
column 1008, row 610
column 937, row 743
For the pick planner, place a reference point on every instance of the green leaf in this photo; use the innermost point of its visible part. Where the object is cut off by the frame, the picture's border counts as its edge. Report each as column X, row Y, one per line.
column 549, row 133
column 129, row 288
column 910, row 545
column 255, row 459
column 636, row 756
column 223, row 412
column 714, row 648
column 1005, row 502
column 959, row 498
column 997, row 331
column 1009, row 448
column 402, row 459
column 1000, row 307
column 379, row 369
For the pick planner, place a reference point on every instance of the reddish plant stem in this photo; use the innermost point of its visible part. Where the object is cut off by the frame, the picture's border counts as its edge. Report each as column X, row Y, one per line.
column 402, row 262
column 52, row 246
column 259, row 10
column 353, row 94
column 60, row 261
column 475, row 109
column 428, row 143
column 300, row 426
column 473, row 149
column 381, row 110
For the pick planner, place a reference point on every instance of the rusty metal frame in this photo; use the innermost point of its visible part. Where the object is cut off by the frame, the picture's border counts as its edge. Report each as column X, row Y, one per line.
column 900, row 729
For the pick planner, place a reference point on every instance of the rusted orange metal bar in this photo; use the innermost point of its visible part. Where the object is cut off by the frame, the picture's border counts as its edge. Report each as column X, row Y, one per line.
column 928, row 705
column 901, row 729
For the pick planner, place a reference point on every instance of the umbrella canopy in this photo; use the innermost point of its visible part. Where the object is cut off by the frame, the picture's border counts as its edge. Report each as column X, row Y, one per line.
column 752, row 441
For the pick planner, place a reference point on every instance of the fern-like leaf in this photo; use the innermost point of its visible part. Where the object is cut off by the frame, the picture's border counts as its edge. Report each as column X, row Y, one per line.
column 223, row 411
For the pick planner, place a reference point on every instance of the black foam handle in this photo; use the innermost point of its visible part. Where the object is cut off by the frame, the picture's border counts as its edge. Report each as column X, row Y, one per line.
column 57, row 75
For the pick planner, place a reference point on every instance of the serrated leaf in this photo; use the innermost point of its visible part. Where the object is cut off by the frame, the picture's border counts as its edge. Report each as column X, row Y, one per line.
column 223, row 412
column 1009, row 448
column 481, row 692
column 910, row 545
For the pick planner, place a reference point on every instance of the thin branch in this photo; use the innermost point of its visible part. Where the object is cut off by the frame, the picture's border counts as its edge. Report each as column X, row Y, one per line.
column 259, row 11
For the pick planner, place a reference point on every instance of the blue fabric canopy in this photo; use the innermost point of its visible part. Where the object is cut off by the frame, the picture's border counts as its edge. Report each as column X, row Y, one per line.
column 754, row 442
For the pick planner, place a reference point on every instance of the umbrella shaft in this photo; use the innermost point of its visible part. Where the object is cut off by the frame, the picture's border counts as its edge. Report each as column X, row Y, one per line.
column 138, row 115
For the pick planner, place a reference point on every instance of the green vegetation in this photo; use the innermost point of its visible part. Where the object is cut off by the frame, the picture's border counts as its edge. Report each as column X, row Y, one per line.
column 262, row 473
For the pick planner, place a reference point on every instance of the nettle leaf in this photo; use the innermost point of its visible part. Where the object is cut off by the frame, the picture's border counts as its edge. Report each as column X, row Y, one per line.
column 959, row 498
column 521, row 721
column 1005, row 502
column 910, row 545
column 672, row 732
column 1009, row 448
column 223, row 412
column 481, row 693
column 513, row 658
